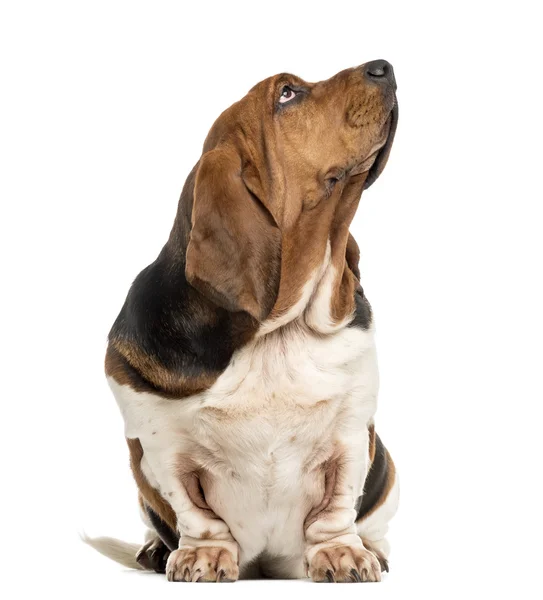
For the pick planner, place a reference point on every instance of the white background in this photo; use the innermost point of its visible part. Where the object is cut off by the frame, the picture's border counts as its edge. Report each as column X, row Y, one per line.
column 104, row 108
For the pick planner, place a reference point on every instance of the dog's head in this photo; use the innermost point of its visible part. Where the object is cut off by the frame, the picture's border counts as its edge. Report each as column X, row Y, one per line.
column 278, row 184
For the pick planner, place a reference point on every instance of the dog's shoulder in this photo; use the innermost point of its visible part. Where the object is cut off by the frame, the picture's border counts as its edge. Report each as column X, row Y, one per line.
column 168, row 338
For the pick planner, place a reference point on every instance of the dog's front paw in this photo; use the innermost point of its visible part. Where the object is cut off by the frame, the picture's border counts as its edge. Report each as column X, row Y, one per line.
column 206, row 563
column 344, row 564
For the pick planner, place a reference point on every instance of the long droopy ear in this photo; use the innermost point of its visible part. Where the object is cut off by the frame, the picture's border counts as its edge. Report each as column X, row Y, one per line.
column 352, row 255
column 234, row 252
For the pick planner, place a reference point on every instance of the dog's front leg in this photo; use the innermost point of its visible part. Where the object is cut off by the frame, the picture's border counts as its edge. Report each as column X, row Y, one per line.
column 334, row 551
column 207, row 550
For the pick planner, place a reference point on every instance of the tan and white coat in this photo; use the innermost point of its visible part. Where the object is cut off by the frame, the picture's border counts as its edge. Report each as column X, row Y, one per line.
column 255, row 453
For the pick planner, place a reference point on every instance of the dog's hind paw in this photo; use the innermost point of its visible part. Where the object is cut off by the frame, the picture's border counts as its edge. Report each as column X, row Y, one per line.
column 153, row 555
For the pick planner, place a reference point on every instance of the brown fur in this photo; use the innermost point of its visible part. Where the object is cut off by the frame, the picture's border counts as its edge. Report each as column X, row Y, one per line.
column 371, row 431
column 234, row 251
column 129, row 365
column 141, row 502
column 273, row 187
column 352, row 256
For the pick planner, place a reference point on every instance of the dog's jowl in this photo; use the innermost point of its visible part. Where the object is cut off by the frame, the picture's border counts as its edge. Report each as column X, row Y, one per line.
column 243, row 360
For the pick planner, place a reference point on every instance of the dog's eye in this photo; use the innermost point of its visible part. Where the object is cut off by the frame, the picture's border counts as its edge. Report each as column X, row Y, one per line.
column 287, row 94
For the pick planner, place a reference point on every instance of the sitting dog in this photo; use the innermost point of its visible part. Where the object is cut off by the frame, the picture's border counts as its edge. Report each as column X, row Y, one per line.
column 243, row 360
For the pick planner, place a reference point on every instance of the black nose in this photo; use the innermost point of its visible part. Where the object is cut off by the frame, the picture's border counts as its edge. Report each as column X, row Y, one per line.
column 380, row 71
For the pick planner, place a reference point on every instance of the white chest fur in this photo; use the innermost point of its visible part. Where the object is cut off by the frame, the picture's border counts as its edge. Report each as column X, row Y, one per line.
column 262, row 429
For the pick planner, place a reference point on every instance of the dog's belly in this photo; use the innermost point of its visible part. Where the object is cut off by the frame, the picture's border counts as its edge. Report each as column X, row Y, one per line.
column 260, row 435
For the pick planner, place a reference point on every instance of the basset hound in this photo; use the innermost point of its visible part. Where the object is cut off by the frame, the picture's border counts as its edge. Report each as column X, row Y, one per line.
column 243, row 360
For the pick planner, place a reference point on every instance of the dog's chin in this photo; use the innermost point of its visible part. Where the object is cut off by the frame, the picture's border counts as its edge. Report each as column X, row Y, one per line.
column 367, row 163
column 376, row 161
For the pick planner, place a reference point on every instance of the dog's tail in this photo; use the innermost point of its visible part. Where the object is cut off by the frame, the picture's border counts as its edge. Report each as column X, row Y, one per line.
column 121, row 552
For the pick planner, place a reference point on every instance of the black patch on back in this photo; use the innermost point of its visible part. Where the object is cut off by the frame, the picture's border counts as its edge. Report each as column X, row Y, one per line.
column 169, row 320
column 362, row 313
column 376, row 481
column 165, row 532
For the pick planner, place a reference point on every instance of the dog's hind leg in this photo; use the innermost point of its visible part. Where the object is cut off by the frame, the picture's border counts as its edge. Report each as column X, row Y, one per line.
column 154, row 554
column 379, row 503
